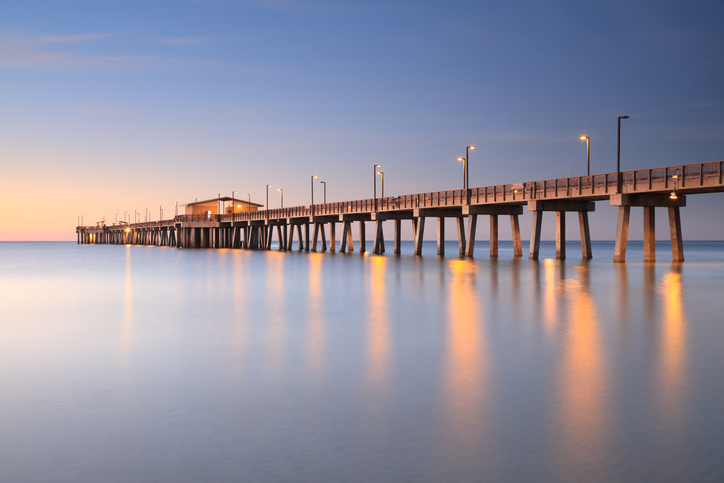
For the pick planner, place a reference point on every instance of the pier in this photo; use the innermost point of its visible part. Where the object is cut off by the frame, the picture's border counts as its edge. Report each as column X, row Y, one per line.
column 649, row 189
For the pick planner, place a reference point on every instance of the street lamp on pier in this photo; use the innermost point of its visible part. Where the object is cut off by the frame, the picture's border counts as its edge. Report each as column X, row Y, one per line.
column 281, row 194
column 124, row 216
column 467, row 172
column 588, row 154
column 325, row 191
column 248, row 203
column 383, row 183
column 464, row 164
column 618, row 155
column 116, row 219
column 267, row 200
column 160, row 208
column 312, row 183
column 233, row 205
column 374, row 191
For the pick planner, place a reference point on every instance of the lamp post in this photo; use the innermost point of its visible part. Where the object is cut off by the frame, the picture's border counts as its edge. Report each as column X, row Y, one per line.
column 176, row 214
column 124, row 216
column 467, row 172
column 588, row 154
column 312, row 184
column 374, row 170
column 116, row 219
column 325, row 191
column 248, row 203
column 160, row 208
column 618, row 155
column 233, row 205
column 267, row 200
column 281, row 194
column 383, row 183
column 219, row 208
column 464, row 164
column 135, row 216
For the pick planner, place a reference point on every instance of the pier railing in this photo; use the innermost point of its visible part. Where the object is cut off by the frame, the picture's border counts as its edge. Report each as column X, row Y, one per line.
column 700, row 177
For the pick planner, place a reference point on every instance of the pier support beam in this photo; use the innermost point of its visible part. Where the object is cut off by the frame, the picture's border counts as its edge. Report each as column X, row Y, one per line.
column 379, row 245
column 535, row 235
column 494, row 236
column 560, row 235
column 472, row 227
column 677, row 244
column 648, row 202
column 398, row 236
column 332, row 237
column 560, row 207
column 585, row 235
column 649, row 234
column 515, row 230
column 441, row 236
column 362, row 242
column 419, row 232
column 460, row 222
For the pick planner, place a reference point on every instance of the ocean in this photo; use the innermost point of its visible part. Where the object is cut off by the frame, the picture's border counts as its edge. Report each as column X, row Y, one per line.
column 156, row 364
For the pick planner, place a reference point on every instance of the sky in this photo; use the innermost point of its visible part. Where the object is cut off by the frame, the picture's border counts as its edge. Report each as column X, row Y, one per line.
column 109, row 107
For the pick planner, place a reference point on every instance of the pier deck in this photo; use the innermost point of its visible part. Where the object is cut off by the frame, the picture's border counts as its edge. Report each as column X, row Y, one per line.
column 665, row 187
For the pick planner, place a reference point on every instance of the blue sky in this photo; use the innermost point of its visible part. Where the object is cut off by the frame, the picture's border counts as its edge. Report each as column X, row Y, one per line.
column 108, row 107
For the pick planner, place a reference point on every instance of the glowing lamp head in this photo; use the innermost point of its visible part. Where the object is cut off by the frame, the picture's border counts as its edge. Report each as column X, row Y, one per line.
column 673, row 196
column 471, row 147
column 314, row 176
column 461, row 159
column 583, row 138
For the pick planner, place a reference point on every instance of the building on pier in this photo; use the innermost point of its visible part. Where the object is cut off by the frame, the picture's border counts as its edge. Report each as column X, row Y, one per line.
column 221, row 205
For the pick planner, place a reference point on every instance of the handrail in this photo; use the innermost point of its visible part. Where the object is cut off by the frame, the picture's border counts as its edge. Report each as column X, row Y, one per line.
column 680, row 177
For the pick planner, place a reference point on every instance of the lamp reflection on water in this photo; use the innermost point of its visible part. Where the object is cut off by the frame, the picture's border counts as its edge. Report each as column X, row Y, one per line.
column 672, row 349
column 466, row 365
column 126, row 338
column 276, row 322
column 584, row 381
column 378, row 330
column 316, row 330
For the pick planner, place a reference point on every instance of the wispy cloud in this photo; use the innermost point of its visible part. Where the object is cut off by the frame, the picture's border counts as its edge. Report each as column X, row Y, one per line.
column 38, row 52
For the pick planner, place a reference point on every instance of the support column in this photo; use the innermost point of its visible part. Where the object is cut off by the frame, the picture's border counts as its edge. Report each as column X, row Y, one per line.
column 300, row 238
column 535, row 235
column 378, row 248
column 332, row 237
column 649, row 234
column 280, row 237
column 494, row 236
column 677, row 242
column 560, row 235
column 515, row 229
column 314, row 238
column 440, row 236
column 585, row 235
column 290, row 241
column 362, row 243
column 324, row 237
column 472, row 227
column 398, row 236
column 419, row 231
column 460, row 222
column 307, row 245
column 619, row 251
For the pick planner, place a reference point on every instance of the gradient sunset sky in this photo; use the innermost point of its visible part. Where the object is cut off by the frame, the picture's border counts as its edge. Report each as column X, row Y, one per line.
column 113, row 106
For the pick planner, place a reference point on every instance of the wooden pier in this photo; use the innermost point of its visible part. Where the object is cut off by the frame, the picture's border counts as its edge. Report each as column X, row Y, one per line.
column 649, row 188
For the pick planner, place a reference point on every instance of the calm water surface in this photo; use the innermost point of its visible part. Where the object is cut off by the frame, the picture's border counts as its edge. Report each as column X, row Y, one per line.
column 129, row 364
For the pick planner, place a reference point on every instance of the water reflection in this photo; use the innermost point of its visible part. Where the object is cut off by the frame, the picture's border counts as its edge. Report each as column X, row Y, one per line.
column 584, row 415
column 276, row 328
column 316, row 327
column 378, row 330
column 672, row 349
column 239, row 314
column 466, row 366
column 126, row 338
